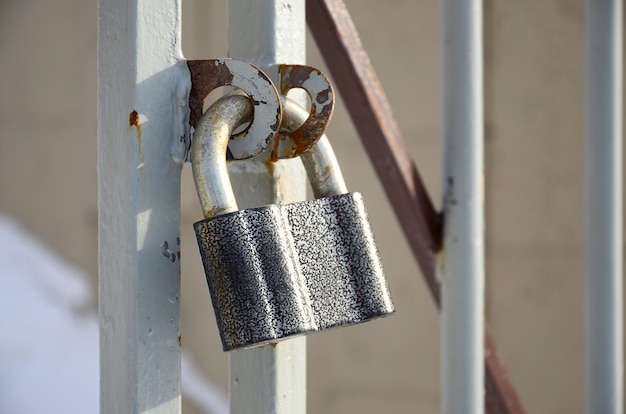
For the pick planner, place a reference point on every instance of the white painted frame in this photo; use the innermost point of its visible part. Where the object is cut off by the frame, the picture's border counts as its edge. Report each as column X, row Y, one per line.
column 143, row 86
column 604, row 301
column 271, row 379
column 461, row 265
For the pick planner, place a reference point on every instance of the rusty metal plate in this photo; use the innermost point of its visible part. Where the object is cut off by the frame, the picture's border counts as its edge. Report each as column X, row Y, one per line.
column 294, row 139
column 208, row 75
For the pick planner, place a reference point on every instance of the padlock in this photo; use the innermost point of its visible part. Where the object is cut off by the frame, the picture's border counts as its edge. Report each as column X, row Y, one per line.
column 282, row 270
column 336, row 248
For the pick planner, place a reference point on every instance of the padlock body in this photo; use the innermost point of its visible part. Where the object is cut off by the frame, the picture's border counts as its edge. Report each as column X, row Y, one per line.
column 339, row 260
column 258, row 292
column 278, row 271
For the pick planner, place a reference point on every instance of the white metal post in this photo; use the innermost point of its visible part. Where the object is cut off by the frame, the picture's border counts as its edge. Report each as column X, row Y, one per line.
column 271, row 379
column 142, row 112
column 603, row 208
column 462, row 258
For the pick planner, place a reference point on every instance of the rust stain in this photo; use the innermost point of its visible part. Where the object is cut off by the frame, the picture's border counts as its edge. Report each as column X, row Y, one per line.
column 274, row 155
column 215, row 211
column 180, row 341
column 328, row 170
column 323, row 96
column 133, row 120
column 301, row 142
column 283, row 75
column 307, row 135
column 294, row 76
column 206, row 76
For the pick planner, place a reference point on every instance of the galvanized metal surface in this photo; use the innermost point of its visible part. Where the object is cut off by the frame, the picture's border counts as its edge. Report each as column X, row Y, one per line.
column 604, row 302
column 208, row 75
column 355, row 78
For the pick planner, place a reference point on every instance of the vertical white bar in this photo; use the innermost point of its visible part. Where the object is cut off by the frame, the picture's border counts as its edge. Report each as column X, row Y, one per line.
column 462, row 258
column 271, row 379
column 142, row 112
column 603, row 208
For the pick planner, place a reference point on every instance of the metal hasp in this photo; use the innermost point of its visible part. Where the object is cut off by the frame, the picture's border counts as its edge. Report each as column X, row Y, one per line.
column 282, row 270
column 208, row 75
column 295, row 141
column 604, row 297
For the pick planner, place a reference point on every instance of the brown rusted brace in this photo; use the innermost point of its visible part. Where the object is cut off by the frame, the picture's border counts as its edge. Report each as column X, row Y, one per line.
column 339, row 44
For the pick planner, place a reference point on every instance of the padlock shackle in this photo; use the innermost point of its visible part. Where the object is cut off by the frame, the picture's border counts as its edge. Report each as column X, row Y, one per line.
column 320, row 162
column 208, row 153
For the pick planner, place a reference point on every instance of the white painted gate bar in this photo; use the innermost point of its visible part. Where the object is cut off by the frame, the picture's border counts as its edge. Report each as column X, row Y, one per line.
column 603, row 208
column 142, row 104
column 462, row 259
column 271, row 379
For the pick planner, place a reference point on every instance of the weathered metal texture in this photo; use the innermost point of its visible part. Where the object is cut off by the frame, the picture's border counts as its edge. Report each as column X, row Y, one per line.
column 293, row 140
column 320, row 162
column 339, row 43
column 279, row 271
column 282, row 270
column 208, row 75
column 208, row 149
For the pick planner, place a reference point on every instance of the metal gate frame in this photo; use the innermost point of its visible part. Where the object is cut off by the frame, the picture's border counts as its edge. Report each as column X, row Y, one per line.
column 143, row 87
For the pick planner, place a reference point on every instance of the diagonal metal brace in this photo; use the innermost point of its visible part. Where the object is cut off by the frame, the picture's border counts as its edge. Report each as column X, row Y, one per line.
column 341, row 47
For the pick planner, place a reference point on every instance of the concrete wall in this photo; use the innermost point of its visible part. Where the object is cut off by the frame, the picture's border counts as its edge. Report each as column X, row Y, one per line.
column 534, row 154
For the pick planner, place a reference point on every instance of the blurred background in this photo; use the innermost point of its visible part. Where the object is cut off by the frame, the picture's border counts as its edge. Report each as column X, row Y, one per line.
column 534, row 73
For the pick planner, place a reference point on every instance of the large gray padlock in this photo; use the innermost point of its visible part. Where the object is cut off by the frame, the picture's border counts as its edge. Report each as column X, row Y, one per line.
column 282, row 270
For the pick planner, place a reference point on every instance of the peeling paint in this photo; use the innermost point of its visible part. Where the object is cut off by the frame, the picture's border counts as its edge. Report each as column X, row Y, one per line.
column 208, row 75
column 297, row 137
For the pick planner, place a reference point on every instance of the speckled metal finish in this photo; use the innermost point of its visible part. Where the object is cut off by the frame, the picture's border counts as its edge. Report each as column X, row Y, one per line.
column 278, row 271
